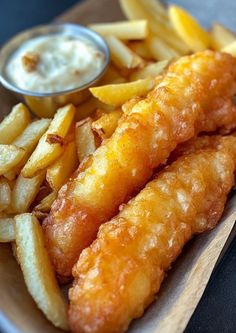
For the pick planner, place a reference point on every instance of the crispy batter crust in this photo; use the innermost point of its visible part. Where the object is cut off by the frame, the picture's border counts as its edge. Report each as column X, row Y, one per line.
column 194, row 95
column 117, row 277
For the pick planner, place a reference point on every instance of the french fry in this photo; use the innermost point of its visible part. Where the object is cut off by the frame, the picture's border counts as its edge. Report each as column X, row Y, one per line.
column 160, row 50
column 25, row 191
column 47, row 150
column 221, row 37
column 121, row 55
column 37, row 270
column 158, row 14
column 10, row 156
column 5, row 194
column 31, row 135
column 85, row 139
column 189, row 29
column 156, row 9
column 133, row 10
column 111, row 76
column 87, row 108
column 137, row 9
column 62, row 168
column 161, row 25
column 125, row 30
column 28, row 140
column 141, row 49
column 106, row 124
column 7, row 233
column 231, row 48
column 171, row 39
column 46, row 203
column 14, row 124
column 118, row 94
column 151, row 70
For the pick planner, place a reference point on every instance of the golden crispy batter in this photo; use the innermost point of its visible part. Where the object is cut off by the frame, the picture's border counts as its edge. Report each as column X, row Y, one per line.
column 201, row 143
column 194, row 95
column 117, row 277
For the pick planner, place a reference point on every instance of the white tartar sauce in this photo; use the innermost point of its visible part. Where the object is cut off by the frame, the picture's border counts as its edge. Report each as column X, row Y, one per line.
column 54, row 63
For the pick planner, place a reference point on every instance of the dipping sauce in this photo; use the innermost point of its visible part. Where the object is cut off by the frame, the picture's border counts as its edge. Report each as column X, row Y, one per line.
column 54, row 63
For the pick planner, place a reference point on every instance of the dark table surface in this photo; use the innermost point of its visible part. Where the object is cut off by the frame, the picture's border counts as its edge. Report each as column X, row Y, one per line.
column 216, row 312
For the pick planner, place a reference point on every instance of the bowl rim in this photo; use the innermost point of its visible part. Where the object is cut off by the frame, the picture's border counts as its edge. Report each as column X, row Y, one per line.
column 48, row 29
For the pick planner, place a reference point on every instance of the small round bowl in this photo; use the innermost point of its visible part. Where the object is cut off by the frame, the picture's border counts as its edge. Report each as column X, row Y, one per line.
column 45, row 104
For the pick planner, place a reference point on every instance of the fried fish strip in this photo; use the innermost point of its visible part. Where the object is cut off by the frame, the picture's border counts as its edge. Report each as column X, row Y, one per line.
column 194, row 95
column 117, row 277
column 200, row 143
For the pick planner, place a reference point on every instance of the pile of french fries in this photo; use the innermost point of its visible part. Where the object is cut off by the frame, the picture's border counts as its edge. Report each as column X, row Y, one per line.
column 38, row 156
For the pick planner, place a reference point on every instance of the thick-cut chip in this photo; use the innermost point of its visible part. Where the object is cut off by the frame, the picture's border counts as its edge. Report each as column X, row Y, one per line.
column 161, row 24
column 14, row 124
column 85, row 139
column 59, row 171
column 106, row 124
column 160, row 50
column 118, row 94
column 140, row 47
column 171, row 39
column 5, row 194
column 10, row 156
column 121, row 55
column 231, row 49
column 189, row 29
column 133, row 9
column 142, row 9
column 111, row 76
column 221, row 37
column 25, row 191
column 28, row 141
column 87, row 108
column 46, row 152
column 30, row 136
column 126, row 30
column 46, row 204
column 157, row 8
column 37, row 270
column 151, row 70
column 7, row 233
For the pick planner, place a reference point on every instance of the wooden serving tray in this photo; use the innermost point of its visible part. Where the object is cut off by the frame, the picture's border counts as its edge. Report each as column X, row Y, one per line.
column 19, row 313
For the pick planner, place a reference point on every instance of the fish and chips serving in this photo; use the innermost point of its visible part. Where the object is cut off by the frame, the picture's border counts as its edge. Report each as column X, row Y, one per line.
column 126, row 161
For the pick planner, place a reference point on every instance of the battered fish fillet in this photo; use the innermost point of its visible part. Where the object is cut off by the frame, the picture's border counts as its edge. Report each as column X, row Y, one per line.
column 200, row 143
column 193, row 96
column 117, row 277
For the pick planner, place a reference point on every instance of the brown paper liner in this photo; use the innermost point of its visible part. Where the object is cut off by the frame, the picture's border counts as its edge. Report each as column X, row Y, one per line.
column 186, row 281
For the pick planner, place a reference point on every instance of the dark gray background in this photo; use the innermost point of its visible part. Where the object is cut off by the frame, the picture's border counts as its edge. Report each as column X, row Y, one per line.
column 216, row 312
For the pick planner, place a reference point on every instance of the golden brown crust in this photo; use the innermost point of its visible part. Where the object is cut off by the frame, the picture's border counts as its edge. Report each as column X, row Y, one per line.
column 193, row 96
column 117, row 277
